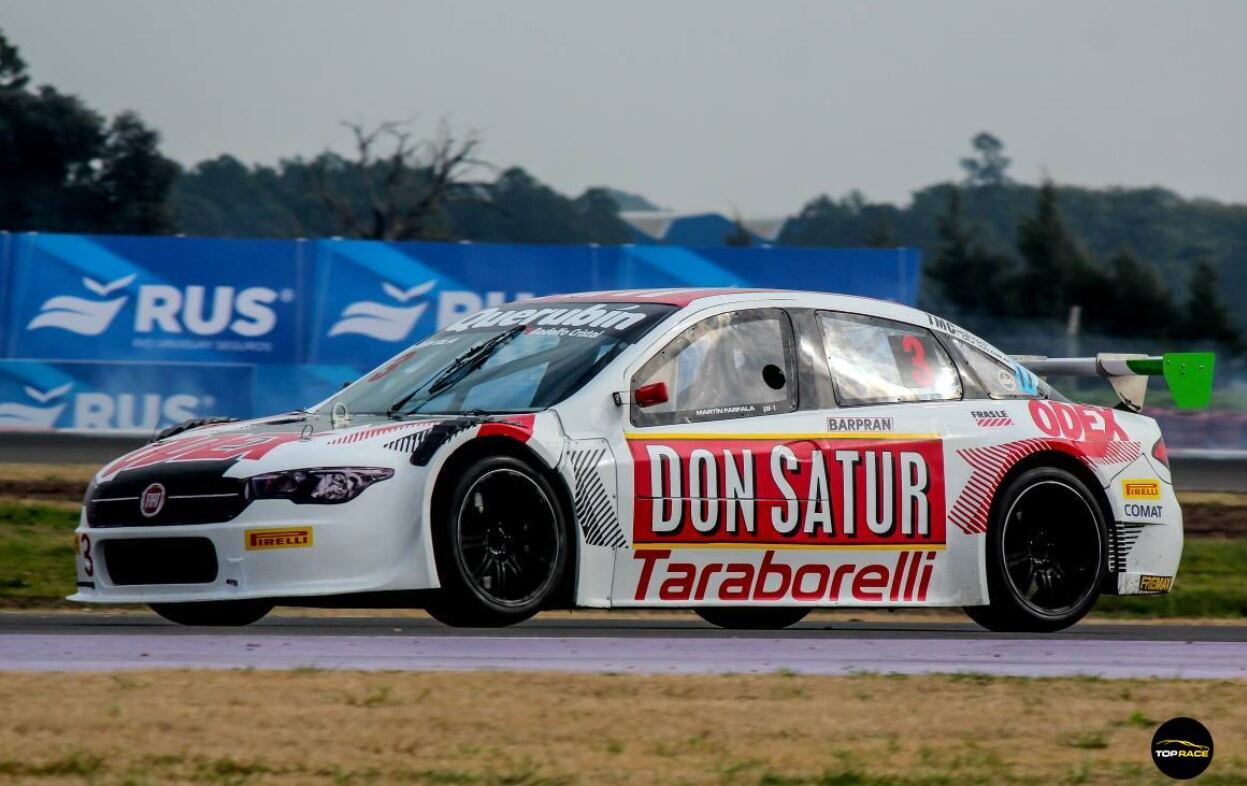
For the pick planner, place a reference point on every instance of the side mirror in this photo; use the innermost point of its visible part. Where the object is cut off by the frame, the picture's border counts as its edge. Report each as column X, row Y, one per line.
column 652, row 395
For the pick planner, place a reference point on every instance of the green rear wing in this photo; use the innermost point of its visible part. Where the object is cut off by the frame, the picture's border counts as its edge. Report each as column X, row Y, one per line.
column 1188, row 374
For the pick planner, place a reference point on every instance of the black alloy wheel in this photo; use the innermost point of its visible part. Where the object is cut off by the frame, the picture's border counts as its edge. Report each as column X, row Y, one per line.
column 1047, row 554
column 501, row 547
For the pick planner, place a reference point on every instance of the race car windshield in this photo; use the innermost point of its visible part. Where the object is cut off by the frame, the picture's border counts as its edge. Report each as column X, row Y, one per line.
column 515, row 358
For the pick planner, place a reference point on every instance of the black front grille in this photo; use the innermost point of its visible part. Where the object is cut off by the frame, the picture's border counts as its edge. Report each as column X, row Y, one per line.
column 160, row 561
column 194, row 494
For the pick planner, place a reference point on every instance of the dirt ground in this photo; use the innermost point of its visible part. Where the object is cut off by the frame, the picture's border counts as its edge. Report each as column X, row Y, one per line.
column 1214, row 514
column 46, row 482
column 312, row 727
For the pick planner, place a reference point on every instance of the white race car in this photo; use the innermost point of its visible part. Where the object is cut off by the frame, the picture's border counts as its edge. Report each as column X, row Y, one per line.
column 750, row 455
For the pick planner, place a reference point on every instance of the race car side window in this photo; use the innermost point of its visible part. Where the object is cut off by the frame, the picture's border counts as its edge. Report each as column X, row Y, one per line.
column 878, row 361
column 1000, row 380
column 734, row 365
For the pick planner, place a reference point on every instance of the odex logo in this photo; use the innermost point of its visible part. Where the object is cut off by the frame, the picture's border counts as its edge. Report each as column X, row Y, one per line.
column 395, row 319
column 1182, row 748
column 202, row 311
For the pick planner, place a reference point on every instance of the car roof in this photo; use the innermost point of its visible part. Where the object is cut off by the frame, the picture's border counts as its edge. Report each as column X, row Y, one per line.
column 671, row 297
column 695, row 299
column 706, row 296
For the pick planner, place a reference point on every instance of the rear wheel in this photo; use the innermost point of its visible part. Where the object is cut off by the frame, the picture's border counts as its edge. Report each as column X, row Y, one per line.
column 223, row 613
column 752, row 618
column 1047, row 554
column 501, row 545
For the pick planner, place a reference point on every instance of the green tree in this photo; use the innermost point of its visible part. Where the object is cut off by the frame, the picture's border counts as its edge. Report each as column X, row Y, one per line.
column 518, row 208
column 1053, row 265
column 223, row 197
column 400, row 192
column 740, row 236
column 882, row 236
column 968, row 275
column 990, row 164
column 1130, row 300
column 134, row 180
column 1206, row 317
column 12, row 66
column 63, row 168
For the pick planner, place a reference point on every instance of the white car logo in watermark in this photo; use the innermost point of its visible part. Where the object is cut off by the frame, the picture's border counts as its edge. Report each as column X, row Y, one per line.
column 82, row 316
column 14, row 415
column 383, row 321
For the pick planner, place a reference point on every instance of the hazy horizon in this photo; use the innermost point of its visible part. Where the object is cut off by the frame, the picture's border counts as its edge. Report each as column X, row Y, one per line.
column 697, row 105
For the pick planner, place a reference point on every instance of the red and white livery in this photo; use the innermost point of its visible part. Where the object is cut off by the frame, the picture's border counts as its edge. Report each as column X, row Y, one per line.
column 750, row 455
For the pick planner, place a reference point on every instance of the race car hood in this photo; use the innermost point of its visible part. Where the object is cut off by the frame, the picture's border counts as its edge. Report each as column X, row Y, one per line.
column 299, row 441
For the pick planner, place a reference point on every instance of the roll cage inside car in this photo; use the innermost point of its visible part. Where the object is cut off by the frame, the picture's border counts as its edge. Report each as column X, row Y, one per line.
column 808, row 376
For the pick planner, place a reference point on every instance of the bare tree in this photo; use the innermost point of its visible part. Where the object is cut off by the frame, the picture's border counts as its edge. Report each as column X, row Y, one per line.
column 397, row 193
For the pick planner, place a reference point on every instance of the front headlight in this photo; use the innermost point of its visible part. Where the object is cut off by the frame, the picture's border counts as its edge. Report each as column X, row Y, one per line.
column 316, row 486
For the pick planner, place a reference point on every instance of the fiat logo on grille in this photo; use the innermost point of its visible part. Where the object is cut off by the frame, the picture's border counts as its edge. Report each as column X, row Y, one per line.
column 153, row 500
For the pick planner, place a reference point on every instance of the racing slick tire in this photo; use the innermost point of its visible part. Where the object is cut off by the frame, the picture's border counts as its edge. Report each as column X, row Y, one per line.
column 735, row 618
column 501, row 542
column 187, row 425
column 222, row 613
column 1047, row 554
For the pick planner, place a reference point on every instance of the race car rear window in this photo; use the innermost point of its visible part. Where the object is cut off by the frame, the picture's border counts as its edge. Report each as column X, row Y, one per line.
column 1000, row 380
column 878, row 361
column 734, row 365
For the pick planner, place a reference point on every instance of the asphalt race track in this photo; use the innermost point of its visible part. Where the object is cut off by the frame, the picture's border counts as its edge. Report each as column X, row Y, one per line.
column 600, row 643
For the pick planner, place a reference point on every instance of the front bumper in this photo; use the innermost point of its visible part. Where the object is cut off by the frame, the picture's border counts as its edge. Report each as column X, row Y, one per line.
column 273, row 549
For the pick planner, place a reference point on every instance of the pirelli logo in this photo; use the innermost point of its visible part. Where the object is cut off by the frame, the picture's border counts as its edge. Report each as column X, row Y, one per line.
column 1155, row 583
column 279, row 538
column 1141, row 489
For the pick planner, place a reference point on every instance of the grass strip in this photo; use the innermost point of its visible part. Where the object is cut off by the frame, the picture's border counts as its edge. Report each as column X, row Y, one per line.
column 318, row 727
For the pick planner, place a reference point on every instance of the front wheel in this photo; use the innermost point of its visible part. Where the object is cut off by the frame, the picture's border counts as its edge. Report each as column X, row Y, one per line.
column 222, row 613
column 735, row 618
column 501, row 545
column 1047, row 554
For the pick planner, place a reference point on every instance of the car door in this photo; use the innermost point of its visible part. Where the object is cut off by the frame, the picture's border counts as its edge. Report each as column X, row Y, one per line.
column 899, row 398
column 697, row 461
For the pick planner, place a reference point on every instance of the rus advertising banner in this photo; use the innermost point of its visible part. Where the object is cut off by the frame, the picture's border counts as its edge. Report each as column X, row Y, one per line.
column 131, row 298
column 374, row 299
column 886, row 273
column 308, row 316
column 130, row 396
column 286, row 388
column 6, row 287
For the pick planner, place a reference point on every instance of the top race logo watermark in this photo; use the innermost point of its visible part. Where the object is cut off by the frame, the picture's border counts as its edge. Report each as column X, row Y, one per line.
column 1182, row 748
column 396, row 319
column 162, row 309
